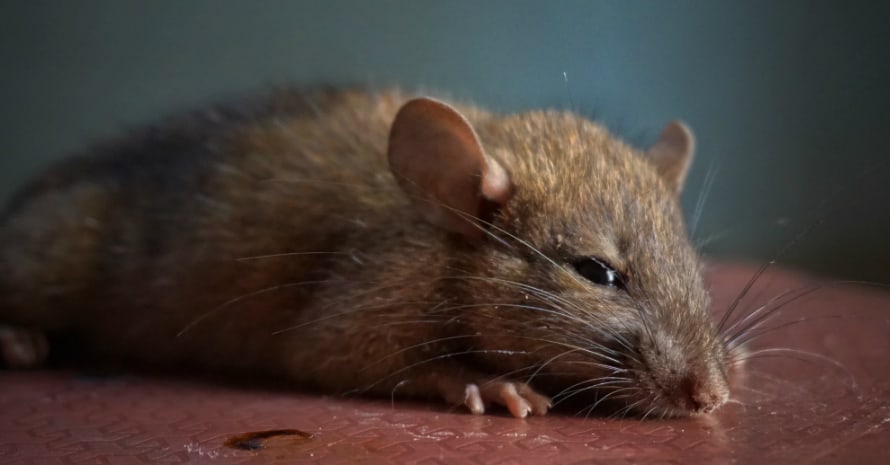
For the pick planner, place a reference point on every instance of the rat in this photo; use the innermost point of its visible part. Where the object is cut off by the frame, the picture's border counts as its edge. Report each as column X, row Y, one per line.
column 350, row 240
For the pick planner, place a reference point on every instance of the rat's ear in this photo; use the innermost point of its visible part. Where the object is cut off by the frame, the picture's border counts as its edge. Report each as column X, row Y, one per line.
column 672, row 154
column 438, row 160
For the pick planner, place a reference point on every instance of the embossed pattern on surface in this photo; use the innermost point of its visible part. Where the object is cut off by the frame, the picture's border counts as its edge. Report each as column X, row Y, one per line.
column 797, row 408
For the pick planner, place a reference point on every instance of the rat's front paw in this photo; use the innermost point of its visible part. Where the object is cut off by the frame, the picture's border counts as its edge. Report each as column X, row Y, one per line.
column 518, row 397
column 458, row 385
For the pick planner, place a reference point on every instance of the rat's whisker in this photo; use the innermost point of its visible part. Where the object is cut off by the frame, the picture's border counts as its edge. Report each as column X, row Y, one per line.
column 517, row 239
column 288, row 254
column 781, row 252
column 532, row 308
column 801, row 292
column 442, row 357
column 594, row 384
column 767, row 310
column 548, row 362
column 387, row 305
column 550, row 296
column 417, row 346
column 235, row 300
column 606, row 397
column 586, row 386
column 745, row 289
column 708, row 183
column 711, row 238
column 413, row 322
column 750, row 335
column 541, row 293
column 649, row 411
column 803, row 355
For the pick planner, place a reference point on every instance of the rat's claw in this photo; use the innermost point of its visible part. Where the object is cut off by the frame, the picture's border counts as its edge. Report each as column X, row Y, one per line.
column 519, row 398
column 473, row 400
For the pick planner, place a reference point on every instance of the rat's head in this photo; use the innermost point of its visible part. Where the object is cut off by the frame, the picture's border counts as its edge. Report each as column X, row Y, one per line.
column 577, row 261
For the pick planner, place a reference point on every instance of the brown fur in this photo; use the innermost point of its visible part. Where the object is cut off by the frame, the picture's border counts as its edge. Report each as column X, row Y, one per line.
column 153, row 249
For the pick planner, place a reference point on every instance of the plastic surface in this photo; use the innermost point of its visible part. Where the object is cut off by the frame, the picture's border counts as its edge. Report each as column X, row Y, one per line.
column 788, row 407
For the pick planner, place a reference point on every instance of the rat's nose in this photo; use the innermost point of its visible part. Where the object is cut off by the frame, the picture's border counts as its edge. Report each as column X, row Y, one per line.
column 701, row 396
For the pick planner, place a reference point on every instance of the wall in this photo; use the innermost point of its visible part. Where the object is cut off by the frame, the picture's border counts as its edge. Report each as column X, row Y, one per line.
column 789, row 99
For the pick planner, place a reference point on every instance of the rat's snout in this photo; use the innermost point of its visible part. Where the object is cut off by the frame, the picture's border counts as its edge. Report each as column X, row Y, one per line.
column 681, row 381
column 701, row 394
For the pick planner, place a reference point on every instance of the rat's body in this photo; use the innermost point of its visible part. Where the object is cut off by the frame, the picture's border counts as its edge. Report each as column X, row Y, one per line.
column 274, row 239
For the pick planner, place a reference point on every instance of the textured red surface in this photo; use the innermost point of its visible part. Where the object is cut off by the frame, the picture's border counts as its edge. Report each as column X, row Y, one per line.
column 785, row 410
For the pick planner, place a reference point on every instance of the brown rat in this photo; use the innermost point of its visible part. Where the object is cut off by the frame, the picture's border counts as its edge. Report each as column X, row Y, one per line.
column 361, row 241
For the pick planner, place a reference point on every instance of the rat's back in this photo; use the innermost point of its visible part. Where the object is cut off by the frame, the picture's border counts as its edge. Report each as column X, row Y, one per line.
column 167, row 220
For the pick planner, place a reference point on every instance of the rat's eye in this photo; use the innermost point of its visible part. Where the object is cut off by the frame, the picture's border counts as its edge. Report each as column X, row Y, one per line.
column 598, row 272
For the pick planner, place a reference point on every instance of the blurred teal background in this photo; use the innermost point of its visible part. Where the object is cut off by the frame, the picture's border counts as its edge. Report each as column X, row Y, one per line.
column 789, row 100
